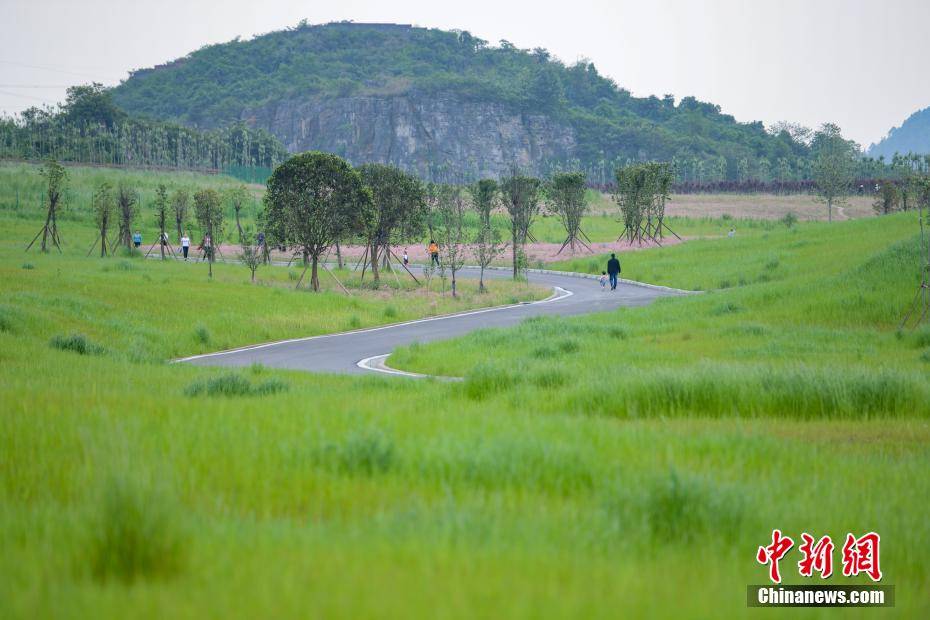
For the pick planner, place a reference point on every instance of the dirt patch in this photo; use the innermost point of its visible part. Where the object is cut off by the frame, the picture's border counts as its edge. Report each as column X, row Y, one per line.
column 535, row 252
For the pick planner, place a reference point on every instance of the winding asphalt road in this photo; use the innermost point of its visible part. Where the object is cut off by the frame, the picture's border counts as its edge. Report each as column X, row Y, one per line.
column 342, row 352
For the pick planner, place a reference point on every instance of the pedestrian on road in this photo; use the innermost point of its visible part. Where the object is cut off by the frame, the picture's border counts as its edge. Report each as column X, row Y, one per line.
column 603, row 280
column 137, row 238
column 185, row 245
column 433, row 253
column 406, row 258
column 613, row 271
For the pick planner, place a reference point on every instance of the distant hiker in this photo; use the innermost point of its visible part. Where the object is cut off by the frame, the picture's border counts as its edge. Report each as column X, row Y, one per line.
column 260, row 238
column 613, row 270
column 406, row 258
column 206, row 246
column 861, row 189
column 164, row 238
column 185, row 245
column 137, row 238
column 732, row 233
column 603, row 280
column 433, row 253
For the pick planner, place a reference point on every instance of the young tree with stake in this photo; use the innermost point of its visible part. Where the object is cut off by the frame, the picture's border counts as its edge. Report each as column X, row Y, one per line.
column 250, row 254
column 521, row 201
column 485, row 197
column 313, row 199
column 180, row 207
column 104, row 205
column 566, row 193
column 127, row 207
column 208, row 208
column 398, row 202
column 57, row 181
column 161, row 215
column 237, row 198
column 451, row 229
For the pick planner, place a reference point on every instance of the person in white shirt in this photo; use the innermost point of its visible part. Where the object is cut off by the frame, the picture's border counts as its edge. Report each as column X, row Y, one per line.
column 185, row 245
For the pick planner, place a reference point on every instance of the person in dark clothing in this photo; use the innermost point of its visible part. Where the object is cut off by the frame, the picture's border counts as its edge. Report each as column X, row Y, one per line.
column 613, row 271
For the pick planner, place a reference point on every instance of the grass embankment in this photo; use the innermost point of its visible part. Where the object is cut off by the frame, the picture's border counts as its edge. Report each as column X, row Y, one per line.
column 807, row 329
column 174, row 491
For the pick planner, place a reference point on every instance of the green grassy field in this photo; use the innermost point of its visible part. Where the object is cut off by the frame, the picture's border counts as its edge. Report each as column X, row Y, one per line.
column 622, row 464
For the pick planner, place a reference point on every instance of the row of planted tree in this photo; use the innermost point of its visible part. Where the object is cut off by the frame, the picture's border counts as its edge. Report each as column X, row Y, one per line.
column 317, row 201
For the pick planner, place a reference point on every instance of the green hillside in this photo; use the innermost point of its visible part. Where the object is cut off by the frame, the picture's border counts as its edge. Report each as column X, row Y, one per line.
column 218, row 84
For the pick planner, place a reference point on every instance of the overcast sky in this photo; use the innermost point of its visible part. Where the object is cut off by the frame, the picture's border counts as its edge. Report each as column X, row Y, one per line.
column 860, row 64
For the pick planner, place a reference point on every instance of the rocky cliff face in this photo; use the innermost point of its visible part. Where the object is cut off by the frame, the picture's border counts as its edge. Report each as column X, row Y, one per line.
column 440, row 138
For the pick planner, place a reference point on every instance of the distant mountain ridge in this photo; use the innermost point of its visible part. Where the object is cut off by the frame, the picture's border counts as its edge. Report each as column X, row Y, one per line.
column 443, row 104
column 913, row 136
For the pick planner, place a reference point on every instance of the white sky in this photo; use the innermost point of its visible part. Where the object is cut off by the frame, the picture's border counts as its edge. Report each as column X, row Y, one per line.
column 860, row 64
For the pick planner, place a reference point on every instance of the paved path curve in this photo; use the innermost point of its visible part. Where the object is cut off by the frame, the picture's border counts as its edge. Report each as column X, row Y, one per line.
column 342, row 352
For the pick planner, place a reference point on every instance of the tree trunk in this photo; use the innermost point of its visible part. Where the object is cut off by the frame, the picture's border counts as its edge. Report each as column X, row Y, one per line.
column 338, row 256
column 514, row 250
column 830, row 210
column 210, row 251
column 481, row 280
column 453, row 283
column 178, row 222
column 238, row 225
column 373, row 256
column 314, row 276
column 48, row 218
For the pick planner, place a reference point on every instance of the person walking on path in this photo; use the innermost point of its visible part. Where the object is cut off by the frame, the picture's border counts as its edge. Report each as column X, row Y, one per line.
column 433, row 253
column 603, row 280
column 406, row 258
column 206, row 246
column 185, row 245
column 613, row 271
column 137, row 238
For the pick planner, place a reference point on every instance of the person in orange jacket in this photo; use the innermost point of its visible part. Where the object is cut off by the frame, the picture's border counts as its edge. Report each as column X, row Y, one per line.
column 433, row 253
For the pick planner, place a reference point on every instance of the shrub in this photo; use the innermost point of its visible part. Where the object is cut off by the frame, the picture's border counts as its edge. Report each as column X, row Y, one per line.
column 134, row 534
column 676, row 508
column 486, row 379
column 727, row 307
column 7, row 320
column 366, row 453
column 202, row 334
column 789, row 220
column 390, row 312
column 569, row 346
column 544, row 352
column 548, row 378
column 270, row 386
column 354, row 322
column 77, row 343
column 922, row 338
column 616, row 332
column 28, row 266
column 233, row 384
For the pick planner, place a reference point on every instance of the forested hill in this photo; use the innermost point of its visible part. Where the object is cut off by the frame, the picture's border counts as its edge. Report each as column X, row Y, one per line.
column 446, row 105
column 913, row 136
